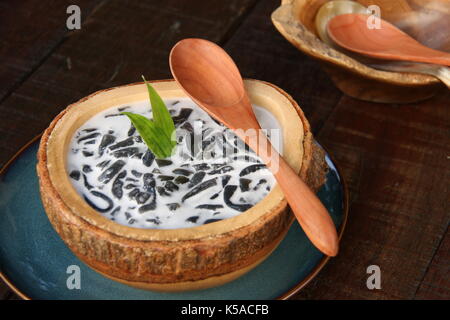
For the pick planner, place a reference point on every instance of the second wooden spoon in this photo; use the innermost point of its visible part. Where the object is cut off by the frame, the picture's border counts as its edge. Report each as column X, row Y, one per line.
column 352, row 32
column 209, row 76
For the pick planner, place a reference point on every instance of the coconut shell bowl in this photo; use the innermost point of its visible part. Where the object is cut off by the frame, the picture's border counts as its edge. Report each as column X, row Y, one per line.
column 173, row 259
column 426, row 21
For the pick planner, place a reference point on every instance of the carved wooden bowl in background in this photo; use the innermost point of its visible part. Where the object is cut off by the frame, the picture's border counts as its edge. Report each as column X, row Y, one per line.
column 426, row 21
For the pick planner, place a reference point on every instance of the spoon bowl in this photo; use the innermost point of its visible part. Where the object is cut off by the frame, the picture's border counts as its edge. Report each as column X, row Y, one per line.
column 227, row 87
column 210, row 77
column 331, row 9
column 352, row 32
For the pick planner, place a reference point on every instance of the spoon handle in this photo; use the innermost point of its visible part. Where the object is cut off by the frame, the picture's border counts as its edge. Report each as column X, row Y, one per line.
column 434, row 59
column 438, row 71
column 306, row 206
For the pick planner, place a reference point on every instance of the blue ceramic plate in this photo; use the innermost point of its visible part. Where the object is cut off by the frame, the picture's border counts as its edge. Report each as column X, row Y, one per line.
column 34, row 260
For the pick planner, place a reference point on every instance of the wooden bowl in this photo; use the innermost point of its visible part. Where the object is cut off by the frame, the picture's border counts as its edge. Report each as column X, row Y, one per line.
column 172, row 259
column 294, row 19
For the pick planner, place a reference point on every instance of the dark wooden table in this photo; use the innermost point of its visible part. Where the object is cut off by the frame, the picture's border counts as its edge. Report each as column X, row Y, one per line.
column 395, row 158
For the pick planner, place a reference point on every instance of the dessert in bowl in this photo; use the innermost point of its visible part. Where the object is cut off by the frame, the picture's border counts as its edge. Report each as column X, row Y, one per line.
column 187, row 222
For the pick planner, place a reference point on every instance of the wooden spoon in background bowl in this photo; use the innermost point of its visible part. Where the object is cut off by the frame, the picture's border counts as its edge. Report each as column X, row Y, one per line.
column 351, row 32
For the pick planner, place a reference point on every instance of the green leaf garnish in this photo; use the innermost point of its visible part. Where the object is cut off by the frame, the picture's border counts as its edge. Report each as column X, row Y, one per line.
column 156, row 133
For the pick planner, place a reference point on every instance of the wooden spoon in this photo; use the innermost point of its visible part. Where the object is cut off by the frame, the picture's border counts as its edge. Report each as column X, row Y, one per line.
column 351, row 32
column 209, row 76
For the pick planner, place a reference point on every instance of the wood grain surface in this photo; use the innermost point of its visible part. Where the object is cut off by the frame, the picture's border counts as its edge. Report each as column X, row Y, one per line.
column 30, row 31
column 395, row 158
